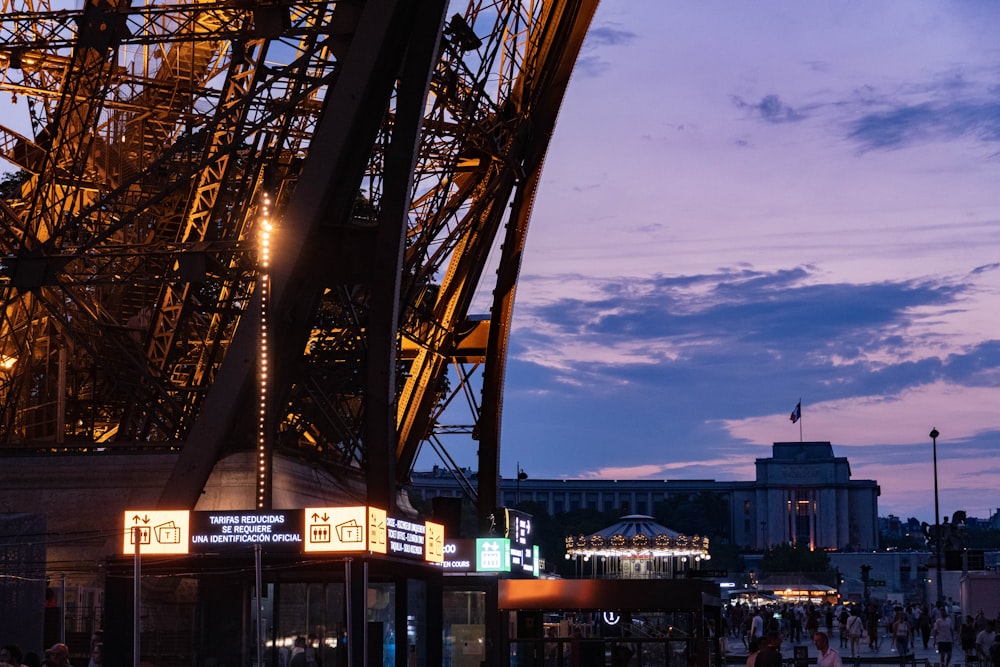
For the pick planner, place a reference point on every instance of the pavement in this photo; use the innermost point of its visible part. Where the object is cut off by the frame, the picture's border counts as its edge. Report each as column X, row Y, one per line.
column 885, row 655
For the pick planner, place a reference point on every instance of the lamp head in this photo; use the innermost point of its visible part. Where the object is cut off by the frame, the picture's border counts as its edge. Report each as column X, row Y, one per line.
column 934, row 433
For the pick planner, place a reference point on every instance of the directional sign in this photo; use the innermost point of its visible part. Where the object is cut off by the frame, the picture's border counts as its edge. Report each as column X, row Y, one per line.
column 876, row 583
column 157, row 531
column 521, row 541
column 434, row 542
column 377, row 540
column 336, row 529
column 492, row 554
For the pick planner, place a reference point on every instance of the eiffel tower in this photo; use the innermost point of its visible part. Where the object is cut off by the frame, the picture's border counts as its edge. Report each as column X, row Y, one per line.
column 392, row 147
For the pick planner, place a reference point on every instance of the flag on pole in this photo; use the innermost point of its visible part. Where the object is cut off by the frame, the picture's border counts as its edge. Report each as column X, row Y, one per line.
column 797, row 412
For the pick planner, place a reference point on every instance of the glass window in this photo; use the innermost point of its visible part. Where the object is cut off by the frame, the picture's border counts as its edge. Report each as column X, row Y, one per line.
column 312, row 616
column 464, row 628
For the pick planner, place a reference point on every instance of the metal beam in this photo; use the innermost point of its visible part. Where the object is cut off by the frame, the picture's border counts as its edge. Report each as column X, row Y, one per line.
column 383, row 323
column 325, row 192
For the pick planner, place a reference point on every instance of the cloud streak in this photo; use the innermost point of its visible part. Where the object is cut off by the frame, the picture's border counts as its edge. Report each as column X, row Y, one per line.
column 743, row 345
column 803, row 206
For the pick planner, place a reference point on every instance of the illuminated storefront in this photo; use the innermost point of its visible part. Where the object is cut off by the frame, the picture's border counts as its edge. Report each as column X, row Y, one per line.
column 254, row 587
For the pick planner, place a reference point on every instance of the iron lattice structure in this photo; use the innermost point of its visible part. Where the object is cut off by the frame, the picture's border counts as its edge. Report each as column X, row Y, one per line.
column 401, row 147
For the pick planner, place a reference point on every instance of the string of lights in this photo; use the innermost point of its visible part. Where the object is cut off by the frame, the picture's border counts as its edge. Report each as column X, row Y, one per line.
column 263, row 453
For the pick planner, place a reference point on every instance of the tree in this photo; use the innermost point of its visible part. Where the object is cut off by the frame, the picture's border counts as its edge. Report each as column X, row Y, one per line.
column 794, row 558
column 725, row 557
column 10, row 184
column 704, row 513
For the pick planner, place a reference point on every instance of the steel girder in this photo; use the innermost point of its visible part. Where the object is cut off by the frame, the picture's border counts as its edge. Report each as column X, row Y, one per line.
column 399, row 147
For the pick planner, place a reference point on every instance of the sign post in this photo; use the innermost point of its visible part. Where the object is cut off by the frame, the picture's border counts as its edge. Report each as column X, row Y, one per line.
column 260, row 606
column 136, row 595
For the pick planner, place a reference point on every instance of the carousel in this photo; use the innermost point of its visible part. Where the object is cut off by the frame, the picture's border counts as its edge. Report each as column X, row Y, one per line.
column 636, row 547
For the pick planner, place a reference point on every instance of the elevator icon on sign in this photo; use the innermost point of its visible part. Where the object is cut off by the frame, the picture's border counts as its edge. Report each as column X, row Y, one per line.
column 320, row 533
column 144, row 534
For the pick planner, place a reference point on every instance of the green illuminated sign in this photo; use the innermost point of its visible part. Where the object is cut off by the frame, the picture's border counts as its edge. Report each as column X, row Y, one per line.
column 492, row 554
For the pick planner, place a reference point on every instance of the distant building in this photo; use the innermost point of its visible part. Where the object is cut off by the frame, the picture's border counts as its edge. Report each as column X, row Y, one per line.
column 803, row 494
column 892, row 526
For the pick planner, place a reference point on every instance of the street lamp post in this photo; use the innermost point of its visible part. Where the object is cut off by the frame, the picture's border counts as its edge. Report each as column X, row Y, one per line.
column 517, row 486
column 937, row 521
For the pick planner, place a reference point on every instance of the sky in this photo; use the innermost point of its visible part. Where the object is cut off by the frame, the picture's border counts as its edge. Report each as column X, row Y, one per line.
column 746, row 205
column 750, row 204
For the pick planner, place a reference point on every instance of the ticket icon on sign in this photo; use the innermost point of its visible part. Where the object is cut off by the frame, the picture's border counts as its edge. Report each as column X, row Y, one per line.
column 349, row 531
column 168, row 533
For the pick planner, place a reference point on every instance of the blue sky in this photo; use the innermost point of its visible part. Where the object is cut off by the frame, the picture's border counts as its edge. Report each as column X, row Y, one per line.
column 746, row 204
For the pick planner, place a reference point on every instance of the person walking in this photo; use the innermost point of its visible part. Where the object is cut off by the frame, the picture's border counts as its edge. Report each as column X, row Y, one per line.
column 872, row 621
column 770, row 651
column 944, row 636
column 855, row 628
column 967, row 638
column 842, row 619
column 757, row 626
column 901, row 635
column 827, row 656
column 924, row 623
column 984, row 643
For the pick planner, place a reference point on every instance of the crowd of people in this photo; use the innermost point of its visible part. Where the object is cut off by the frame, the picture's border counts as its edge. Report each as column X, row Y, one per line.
column 11, row 655
column 859, row 628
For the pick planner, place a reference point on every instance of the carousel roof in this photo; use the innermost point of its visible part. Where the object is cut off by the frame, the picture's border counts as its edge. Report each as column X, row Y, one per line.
column 636, row 534
column 636, row 524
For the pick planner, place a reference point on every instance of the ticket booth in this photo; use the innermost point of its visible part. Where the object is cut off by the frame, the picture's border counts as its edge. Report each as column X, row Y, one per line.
column 345, row 587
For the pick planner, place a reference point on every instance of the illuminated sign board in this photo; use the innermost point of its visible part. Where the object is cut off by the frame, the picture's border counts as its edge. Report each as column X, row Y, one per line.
column 336, row 529
column 157, row 531
column 277, row 530
column 522, row 552
column 378, row 542
column 492, row 554
column 314, row 529
column 434, row 542
column 459, row 556
column 406, row 538
column 486, row 555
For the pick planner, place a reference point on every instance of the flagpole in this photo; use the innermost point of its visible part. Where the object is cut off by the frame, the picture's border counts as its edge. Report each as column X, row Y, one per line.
column 800, row 419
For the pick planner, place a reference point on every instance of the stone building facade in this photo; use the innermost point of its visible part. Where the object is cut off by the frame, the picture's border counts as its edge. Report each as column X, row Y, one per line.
column 802, row 494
